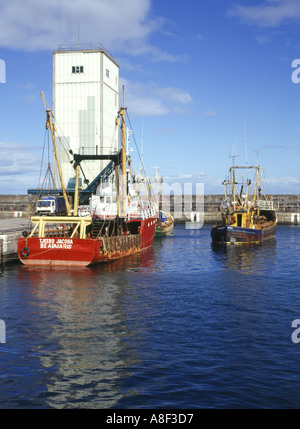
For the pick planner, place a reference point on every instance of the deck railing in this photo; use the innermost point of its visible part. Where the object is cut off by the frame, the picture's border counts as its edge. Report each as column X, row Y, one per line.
column 266, row 205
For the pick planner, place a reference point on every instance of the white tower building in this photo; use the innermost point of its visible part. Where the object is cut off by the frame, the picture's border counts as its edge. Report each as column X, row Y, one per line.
column 85, row 106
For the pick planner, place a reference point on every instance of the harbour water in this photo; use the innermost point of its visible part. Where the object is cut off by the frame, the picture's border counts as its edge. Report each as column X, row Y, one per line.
column 182, row 325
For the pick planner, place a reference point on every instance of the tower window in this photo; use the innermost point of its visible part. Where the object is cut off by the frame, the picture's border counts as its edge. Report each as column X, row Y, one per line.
column 107, row 73
column 77, row 69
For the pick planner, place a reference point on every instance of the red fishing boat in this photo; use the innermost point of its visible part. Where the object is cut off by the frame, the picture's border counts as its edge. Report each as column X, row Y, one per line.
column 111, row 226
column 60, row 246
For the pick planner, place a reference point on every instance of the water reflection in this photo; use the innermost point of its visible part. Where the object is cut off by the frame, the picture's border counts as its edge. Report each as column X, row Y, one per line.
column 141, row 261
column 183, row 325
column 83, row 321
column 248, row 258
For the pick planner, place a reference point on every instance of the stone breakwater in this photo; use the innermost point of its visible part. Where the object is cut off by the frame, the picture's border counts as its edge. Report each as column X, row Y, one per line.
column 207, row 209
column 183, row 208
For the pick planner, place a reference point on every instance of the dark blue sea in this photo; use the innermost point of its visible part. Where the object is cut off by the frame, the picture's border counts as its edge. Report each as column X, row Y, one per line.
column 183, row 325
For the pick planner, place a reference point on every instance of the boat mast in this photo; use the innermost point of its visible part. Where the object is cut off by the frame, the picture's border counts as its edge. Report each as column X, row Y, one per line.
column 232, row 179
column 247, row 194
column 124, row 175
column 225, row 182
column 258, row 180
column 76, row 196
column 49, row 124
column 158, row 181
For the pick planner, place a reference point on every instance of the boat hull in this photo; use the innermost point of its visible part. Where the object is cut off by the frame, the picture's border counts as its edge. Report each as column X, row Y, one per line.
column 83, row 252
column 165, row 224
column 161, row 231
column 238, row 235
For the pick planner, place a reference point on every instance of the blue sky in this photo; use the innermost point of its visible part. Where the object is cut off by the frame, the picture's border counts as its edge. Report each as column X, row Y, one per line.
column 203, row 79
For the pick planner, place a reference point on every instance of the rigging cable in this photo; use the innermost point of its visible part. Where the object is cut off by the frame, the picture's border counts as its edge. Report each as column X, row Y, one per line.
column 142, row 164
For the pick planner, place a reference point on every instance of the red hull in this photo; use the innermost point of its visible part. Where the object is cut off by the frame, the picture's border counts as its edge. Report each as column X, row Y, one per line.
column 76, row 252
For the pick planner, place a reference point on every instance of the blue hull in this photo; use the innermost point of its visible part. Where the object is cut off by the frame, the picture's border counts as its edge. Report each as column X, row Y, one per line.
column 235, row 234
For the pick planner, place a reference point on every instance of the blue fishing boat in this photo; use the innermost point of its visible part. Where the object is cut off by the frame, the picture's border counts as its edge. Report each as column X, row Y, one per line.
column 247, row 217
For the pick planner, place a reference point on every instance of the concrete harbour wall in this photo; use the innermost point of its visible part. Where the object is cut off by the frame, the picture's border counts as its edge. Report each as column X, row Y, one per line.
column 183, row 207
column 286, row 205
column 10, row 230
column 16, row 206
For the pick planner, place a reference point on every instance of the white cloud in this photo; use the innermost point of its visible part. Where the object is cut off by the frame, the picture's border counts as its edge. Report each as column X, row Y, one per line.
column 19, row 167
column 211, row 185
column 154, row 54
column 262, row 40
column 283, row 185
column 164, row 130
column 173, row 95
column 271, row 13
column 210, row 113
column 151, row 100
column 120, row 26
column 13, row 160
